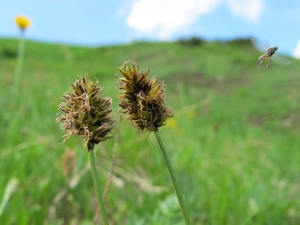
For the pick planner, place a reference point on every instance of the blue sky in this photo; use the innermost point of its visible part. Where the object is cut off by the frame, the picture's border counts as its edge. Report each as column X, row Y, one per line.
column 100, row 22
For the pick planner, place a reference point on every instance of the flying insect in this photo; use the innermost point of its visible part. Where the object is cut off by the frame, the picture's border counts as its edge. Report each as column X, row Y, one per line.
column 269, row 54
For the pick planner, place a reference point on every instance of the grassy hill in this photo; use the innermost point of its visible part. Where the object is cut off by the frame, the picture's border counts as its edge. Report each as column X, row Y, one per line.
column 234, row 140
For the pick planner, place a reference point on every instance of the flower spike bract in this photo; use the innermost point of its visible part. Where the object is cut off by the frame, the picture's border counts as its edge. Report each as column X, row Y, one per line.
column 86, row 112
column 142, row 99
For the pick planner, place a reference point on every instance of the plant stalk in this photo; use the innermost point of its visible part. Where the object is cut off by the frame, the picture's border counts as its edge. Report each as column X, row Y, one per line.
column 97, row 188
column 20, row 59
column 65, row 204
column 175, row 183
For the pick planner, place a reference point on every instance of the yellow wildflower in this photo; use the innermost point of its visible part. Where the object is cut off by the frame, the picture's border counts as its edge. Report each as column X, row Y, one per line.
column 22, row 22
column 191, row 113
column 172, row 123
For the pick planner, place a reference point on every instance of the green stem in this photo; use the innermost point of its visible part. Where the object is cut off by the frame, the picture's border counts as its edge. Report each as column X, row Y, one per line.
column 97, row 188
column 11, row 131
column 20, row 59
column 175, row 183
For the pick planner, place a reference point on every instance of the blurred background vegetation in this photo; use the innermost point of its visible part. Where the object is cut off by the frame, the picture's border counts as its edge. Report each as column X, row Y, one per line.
column 234, row 139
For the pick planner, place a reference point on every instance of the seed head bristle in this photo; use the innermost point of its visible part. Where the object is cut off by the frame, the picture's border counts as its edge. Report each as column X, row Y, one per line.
column 86, row 112
column 142, row 99
column 68, row 160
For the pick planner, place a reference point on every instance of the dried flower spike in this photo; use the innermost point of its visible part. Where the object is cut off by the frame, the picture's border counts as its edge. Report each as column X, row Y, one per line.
column 22, row 22
column 86, row 112
column 142, row 99
column 68, row 161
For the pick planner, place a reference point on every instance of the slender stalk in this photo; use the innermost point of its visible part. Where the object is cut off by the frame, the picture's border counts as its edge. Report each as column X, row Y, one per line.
column 20, row 59
column 111, row 171
column 97, row 188
column 175, row 183
column 11, row 130
column 113, row 163
column 65, row 204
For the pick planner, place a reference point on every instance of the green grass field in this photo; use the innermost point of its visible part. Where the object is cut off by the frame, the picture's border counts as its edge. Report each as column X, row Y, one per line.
column 234, row 140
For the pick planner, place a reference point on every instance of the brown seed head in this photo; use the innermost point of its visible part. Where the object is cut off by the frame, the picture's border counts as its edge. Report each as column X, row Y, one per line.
column 142, row 99
column 68, row 160
column 86, row 112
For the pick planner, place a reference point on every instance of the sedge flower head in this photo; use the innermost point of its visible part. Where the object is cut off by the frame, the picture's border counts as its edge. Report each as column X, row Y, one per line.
column 22, row 22
column 142, row 99
column 86, row 112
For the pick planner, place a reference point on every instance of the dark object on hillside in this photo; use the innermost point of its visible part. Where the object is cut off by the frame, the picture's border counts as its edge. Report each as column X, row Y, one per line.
column 240, row 41
column 193, row 41
column 7, row 53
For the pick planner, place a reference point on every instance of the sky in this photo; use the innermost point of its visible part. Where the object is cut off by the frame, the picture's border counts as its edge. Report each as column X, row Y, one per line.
column 102, row 22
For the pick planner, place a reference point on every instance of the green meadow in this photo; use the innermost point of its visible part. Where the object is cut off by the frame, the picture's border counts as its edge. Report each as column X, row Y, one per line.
column 234, row 140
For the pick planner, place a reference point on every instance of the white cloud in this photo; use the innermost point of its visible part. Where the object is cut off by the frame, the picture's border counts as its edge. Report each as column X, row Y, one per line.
column 251, row 9
column 296, row 53
column 164, row 17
